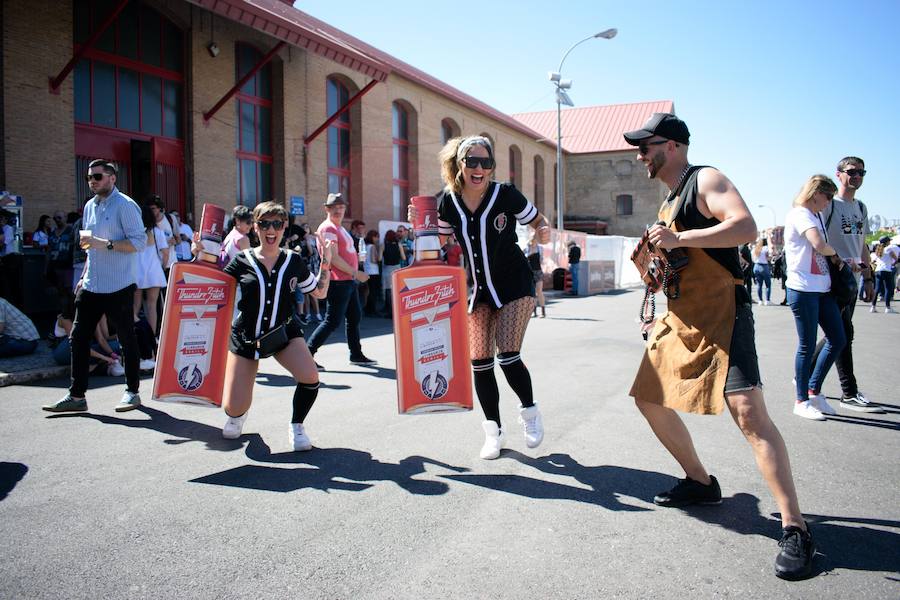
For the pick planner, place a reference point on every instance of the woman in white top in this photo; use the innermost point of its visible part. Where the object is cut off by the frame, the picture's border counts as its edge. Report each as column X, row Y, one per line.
column 41, row 237
column 808, row 295
column 150, row 276
column 762, row 270
column 886, row 257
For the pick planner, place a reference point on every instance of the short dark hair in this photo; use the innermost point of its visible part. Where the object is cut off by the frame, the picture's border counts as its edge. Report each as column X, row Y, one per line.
column 355, row 223
column 109, row 167
column 241, row 213
column 155, row 200
column 851, row 161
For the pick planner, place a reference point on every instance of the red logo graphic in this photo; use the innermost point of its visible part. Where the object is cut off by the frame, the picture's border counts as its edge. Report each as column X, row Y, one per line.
column 202, row 294
column 427, row 297
column 500, row 222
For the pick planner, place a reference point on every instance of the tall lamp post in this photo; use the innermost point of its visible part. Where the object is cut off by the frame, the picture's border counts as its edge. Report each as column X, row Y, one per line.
column 774, row 217
column 563, row 98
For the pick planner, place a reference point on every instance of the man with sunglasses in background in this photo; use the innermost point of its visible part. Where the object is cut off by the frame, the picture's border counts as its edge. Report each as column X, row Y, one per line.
column 847, row 224
column 343, row 299
column 701, row 355
column 113, row 234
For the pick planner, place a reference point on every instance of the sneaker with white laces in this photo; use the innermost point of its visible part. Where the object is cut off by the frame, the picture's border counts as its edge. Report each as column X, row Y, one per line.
column 233, row 427
column 493, row 440
column 129, row 401
column 820, row 403
column 115, row 369
column 531, row 421
column 860, row 403
column 299, row 440
column 147, row 364
column 808, row 411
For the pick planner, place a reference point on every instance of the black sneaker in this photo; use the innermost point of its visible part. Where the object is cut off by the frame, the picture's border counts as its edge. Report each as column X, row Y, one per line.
column 687, row 492
column 797, row 550
column 362, row 359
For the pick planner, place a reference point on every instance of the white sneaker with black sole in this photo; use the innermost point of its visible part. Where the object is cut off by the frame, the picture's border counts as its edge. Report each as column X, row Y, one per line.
column 860, row 403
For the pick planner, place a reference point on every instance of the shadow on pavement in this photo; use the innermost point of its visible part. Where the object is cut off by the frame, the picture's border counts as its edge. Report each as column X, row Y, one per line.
column 867, row 421
column 606, row 483
column 326, row 469
column 10, row 475
column 182, row 429
column 273, row 380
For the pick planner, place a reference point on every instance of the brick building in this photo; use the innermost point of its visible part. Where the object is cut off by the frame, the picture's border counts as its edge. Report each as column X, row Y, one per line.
column 149, row 87
column 607, row 189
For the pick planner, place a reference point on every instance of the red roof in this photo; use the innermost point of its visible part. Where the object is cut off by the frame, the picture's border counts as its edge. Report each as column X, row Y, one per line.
column 280, row 20
column 595, row 128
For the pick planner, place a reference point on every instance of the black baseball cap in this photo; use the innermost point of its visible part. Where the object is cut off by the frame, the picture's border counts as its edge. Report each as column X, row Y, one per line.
column 664, row 125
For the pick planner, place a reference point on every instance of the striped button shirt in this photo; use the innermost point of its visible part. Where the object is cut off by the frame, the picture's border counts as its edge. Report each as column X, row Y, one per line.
column 115, row 218
column 497, row 267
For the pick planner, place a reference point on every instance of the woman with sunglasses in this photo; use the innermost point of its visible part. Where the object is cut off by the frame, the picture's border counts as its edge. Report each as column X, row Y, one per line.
column 481, row 213
column 267, row 276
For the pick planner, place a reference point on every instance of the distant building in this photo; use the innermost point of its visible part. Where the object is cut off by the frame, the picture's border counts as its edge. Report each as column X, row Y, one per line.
column 607, row 189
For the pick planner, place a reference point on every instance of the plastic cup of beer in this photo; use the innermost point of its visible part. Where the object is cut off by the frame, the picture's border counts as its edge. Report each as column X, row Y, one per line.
column 84, row 243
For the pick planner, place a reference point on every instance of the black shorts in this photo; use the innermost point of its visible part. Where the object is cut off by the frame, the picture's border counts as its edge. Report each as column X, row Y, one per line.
column 743, row 365
column 238, row 344
column 537, row 276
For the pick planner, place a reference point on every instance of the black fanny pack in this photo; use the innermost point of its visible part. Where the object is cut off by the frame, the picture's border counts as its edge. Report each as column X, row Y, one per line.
column 273, row 341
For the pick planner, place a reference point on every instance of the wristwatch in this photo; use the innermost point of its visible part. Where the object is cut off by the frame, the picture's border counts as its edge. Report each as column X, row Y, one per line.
column 109, row 245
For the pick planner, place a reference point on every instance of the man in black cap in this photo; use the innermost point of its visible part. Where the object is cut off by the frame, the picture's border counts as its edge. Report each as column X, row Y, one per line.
column 701, row 354
column 343, row 300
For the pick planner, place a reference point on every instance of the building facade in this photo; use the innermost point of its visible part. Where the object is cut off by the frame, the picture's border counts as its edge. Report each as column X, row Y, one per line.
column 228, row 102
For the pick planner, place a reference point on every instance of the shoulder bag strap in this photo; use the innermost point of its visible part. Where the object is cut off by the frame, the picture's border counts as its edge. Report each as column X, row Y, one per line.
column 680, row 194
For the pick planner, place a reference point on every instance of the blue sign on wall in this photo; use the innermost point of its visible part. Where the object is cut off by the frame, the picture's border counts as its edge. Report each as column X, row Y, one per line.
column 298, row 205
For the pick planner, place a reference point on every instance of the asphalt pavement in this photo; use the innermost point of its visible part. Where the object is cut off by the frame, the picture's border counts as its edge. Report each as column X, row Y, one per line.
column 155, row 504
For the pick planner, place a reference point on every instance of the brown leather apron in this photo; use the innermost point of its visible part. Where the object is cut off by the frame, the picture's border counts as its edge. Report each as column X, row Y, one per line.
column 686, row 361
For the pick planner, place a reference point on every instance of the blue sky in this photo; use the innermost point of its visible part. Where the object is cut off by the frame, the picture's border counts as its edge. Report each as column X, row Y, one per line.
column 773, row 92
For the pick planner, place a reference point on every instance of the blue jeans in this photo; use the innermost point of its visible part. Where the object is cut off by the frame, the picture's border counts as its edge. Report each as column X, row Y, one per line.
column 884, row 287
column 10, row 346
column 573, row 269
column 343, row 302
column 762, row 274
column 812, row 309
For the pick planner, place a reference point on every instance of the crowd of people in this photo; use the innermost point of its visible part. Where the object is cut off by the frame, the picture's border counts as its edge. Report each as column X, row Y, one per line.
column 697, row 360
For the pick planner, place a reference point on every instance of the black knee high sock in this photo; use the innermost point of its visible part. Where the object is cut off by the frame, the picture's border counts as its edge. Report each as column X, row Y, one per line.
column 517, row 376
column 304, row 397
column 486, row 388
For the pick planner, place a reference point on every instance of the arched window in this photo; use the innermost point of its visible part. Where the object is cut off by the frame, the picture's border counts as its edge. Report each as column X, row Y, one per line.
column 538, row 198
column 254, row 131
column 449, row 129
column 336, row 96
column 515, row 166
column 623, row 205
column 400, row 145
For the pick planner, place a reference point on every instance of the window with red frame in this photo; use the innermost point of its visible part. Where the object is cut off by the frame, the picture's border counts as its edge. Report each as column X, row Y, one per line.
column 132, row 78
column 400, row 142
column 253, row 134
column 336, row 96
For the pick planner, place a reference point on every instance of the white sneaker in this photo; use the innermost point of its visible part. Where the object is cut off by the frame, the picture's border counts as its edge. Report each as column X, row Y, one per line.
column 808, row 411
column 890, row 311
column 116, row 369
column 766, row 303
column 872, row 309
column 820, row 403
column 233, row 427
column 299, row 439
column 147, row 364
column 531, row 421
column 493, row 440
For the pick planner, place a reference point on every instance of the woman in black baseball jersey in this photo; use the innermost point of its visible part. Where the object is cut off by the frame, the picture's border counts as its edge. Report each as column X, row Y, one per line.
column 267, row 276
column 482, row 214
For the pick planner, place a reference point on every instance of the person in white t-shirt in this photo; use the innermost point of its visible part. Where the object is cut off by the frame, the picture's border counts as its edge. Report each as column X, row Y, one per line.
column 807, row 254
column 185, row 235
column 762, row 270
column 886, row 256
column 169, row 227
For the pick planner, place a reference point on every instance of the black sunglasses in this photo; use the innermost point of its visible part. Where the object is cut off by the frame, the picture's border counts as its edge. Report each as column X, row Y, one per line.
column 472, row 162
column 855, row 172
column 644, row 147
column 95, row 176
column 264, row 224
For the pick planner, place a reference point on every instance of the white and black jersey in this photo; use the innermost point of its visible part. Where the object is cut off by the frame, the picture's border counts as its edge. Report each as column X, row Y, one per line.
column 267, row 299
column 498, row 269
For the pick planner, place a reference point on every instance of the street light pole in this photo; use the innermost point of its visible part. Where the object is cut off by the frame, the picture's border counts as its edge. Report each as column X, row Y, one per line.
column 563, row 98
column 774, row 217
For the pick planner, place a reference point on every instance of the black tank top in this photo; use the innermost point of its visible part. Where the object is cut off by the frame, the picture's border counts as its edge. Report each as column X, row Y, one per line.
column 690, row 217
